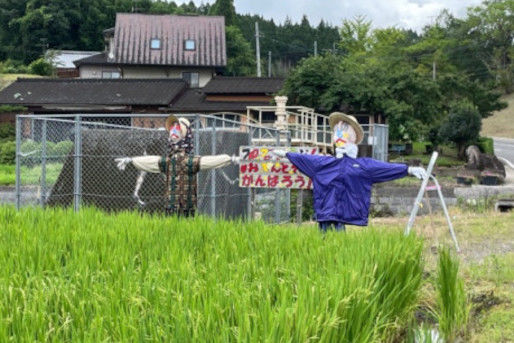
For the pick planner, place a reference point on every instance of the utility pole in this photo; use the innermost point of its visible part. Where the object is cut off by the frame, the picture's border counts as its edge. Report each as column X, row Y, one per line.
column 315, row 48
column 269, row 63
column 257, row 49
column 433, row 70
column 334, row 48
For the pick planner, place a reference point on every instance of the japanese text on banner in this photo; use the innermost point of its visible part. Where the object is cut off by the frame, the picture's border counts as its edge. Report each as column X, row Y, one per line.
column 260, row 169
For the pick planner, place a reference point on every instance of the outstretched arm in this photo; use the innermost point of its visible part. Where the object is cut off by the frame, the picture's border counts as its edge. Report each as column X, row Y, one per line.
column 217, row 161
column 148, row 164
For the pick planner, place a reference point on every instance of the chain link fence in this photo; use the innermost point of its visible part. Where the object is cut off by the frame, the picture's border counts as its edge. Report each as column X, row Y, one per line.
column 68, row 160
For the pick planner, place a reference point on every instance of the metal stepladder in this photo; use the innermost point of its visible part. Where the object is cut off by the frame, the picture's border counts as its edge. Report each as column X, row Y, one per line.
column 422, row 190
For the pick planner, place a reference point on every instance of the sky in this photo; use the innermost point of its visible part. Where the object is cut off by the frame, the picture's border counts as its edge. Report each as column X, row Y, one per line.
column 409, row 14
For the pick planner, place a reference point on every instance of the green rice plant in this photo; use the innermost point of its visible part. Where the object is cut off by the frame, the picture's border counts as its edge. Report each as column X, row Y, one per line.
column 453, row 308
column 91, row 276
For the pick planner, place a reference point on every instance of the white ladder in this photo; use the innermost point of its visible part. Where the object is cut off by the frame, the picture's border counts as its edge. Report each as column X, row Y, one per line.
column 422, row 190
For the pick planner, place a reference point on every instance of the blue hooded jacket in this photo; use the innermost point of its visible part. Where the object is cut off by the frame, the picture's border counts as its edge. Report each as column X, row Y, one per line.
column 342, row 186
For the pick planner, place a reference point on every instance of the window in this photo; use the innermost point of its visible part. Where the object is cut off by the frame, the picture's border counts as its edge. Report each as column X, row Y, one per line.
column 155, row 43
column 111, row 75
column 189, row 44
column 192, row 79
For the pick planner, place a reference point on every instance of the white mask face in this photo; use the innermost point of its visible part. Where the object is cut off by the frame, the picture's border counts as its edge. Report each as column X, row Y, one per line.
column 343, row 134
column 175, row 133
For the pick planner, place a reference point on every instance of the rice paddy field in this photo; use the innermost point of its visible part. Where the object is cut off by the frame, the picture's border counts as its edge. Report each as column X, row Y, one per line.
column 96, row 277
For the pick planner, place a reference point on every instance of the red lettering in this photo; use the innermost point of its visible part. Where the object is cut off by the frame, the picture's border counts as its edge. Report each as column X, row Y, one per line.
column 253, row 154
column 299, row 180
column 247, row 180
column 253, row 168
column 273, row 181
column 259, row 182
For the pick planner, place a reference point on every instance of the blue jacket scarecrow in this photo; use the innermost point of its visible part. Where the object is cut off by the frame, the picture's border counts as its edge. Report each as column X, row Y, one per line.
column 342, row 184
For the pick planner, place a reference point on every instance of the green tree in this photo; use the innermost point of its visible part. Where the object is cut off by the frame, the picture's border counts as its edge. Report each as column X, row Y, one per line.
column 225, row 8
column 494, row 21
column 41, row 67
column 310, row 82
column 462, row 126
column 240, row 57
column 356, row 35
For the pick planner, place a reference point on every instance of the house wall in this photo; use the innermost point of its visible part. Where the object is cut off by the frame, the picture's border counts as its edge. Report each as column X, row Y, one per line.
column 141, row 72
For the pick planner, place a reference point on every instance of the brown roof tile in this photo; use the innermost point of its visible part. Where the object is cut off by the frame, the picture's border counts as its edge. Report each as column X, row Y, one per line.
column 134, row 32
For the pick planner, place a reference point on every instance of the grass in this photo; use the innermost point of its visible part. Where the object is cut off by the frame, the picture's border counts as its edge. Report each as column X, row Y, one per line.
column 486, row 265
column 132, row 277
column 7, row 79
column 452, row 303
column 29, row 175
column 447, row 159
column 501, row 123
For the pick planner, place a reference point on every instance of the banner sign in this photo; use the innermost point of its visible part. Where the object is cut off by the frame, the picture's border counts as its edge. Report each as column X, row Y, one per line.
column 260, row 169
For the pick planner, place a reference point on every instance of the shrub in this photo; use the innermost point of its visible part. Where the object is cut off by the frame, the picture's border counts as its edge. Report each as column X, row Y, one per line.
column 29, row 146
column 12, row 108
column 13, row 67
column 7, row 131
column 60, row 149
column 462, row 125
column 486, row 145
column 41, row 67
column 7, row 152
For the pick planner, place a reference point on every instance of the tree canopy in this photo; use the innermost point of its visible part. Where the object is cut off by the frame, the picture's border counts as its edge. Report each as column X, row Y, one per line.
column 412, row 79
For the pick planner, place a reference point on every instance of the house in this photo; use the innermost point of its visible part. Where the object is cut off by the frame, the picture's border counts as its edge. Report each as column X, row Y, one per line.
column 191, row 48
column 151, row 64
column 63, row 60
column 225, row 96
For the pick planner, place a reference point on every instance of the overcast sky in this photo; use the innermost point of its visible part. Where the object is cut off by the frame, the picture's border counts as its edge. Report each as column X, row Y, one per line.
column 413, row 14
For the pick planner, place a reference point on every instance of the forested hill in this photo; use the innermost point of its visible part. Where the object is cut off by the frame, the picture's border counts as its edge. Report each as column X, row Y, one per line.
column 28, row 27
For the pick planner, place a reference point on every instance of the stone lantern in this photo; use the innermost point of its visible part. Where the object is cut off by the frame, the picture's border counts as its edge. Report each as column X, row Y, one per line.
column 281, row 113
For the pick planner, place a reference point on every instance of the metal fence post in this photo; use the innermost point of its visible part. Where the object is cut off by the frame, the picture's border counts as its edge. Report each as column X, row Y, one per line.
column 277, row 191
column 43, row 163
column 288, row 191
column 213, row 173
column 18, row 162
column 249, row 191
column 386, row 143
column 77, row 182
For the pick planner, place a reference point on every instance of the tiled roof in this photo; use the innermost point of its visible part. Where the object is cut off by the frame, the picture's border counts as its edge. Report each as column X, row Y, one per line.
column 65, row 58
column 134, row 32
column 159, row 92
column 193, row 100
column 243, row 85
column 95, row 59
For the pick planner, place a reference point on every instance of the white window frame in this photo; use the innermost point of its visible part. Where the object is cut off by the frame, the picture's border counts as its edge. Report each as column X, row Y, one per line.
column 111, row 74
column 190, row 41
column 152, row 41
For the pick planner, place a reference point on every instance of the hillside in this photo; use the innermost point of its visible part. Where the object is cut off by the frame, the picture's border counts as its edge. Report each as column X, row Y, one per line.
column 7, row 79
column 501, row 124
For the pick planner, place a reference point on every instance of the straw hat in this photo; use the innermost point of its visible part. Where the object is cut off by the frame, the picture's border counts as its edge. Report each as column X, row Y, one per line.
column 336, row 117
column 184, row 124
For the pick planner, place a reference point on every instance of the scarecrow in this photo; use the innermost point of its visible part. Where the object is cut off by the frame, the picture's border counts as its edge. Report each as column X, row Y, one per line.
column 179, row 166
column 342, row 184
